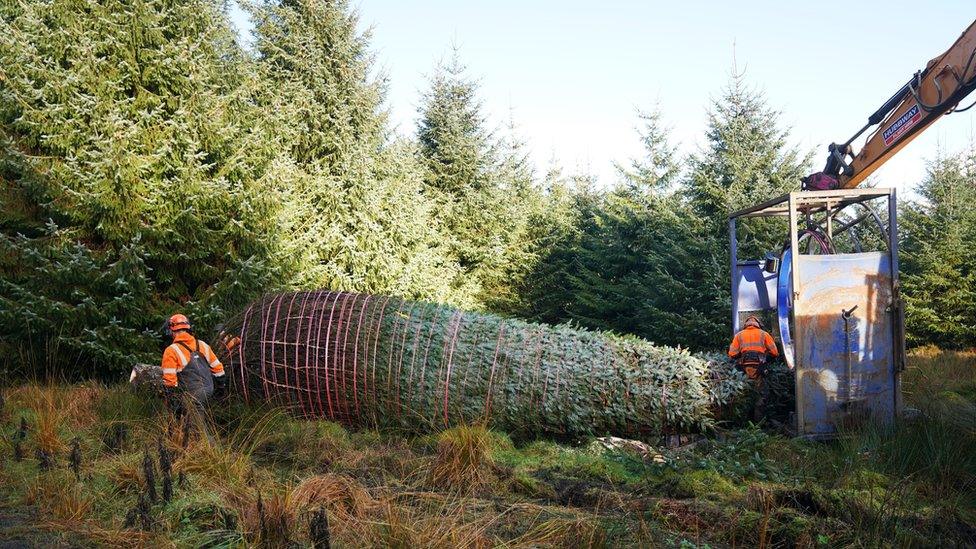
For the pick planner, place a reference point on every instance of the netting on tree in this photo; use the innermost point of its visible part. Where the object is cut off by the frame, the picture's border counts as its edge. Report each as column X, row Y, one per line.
column 392, row 363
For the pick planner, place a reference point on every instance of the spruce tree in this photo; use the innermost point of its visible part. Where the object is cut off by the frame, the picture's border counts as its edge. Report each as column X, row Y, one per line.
column 632, row 261
column 747, row 159
column 939, row 271
column 650, row 257
column 454, row 142
column 482, row 186
column 658, row 168
column 521, row 205
column 553, row 244
column 130, row 154
column 354, row 209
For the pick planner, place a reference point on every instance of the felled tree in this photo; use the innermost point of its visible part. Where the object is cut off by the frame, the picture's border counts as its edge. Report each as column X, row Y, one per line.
column 392, row 363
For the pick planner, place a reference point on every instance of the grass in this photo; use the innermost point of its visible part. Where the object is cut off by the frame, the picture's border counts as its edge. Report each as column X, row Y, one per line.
column 267, row 479
column 62, row 498
column 464, row 462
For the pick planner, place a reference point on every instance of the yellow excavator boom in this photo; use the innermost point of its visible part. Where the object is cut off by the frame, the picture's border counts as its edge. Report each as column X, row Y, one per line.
column 929, row 94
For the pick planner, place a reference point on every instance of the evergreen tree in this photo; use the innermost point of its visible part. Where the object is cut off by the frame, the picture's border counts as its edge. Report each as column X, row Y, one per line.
column 555, row 236
column 631, row 260
column 747, row 160
column 651, row 256
column 481, row 185
column 658, row 168
column 519, row 207
column 643, row 269
column 317, row 65
column 455, row 145
column 130, row 151
column 939, row 271
column 354, row 209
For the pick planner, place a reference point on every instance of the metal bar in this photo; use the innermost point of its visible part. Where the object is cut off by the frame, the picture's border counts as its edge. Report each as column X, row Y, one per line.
column 898, row 318
column 844, row 227
column 840, row 193
column 761, row 206
column 893, row 236
column 795, row 276
column 830, row 224
column 733, row 253
column 812, row 202
column 768, row 213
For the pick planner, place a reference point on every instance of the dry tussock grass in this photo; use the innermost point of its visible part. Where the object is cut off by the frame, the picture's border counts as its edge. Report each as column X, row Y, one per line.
column 123, row 471
column 579, row 531
column 17, row 397
column 385, row 464
column 428, row 519
column 932, row 370
column 270, row 520
column 382, row 493
column 49, row 417
column 80, row 404
column 109, row 537
column 216, row 464
column 463, row 462
column 943, row 384
column 59, row 497
column 418, row 519
column 438, row 522
column 343, row 496
column 56, row 407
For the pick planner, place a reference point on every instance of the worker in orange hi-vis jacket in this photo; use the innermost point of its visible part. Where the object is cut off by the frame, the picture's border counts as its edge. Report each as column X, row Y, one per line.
column 751, row 348
column 189, row 366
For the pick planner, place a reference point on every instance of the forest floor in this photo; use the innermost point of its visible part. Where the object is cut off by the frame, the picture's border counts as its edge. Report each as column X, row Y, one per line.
column 267, row 479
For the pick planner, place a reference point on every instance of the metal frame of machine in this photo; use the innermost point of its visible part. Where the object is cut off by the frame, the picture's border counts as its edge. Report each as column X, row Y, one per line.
column 807, row 291
column 754, row 288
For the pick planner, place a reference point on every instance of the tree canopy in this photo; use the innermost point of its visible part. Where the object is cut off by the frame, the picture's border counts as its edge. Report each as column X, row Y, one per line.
column 151, row 164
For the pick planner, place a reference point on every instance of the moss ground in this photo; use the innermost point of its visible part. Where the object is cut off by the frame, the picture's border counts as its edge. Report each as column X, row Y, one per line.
column 271, row 480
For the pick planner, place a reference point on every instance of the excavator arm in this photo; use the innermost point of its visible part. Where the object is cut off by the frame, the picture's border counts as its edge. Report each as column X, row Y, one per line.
column 929, row 94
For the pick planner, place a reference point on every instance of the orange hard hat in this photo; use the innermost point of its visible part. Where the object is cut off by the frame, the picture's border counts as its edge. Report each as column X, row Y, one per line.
column 179, row 322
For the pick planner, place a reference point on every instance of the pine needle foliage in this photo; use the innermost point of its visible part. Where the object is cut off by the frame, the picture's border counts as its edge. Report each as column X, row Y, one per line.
column 354, row 212
column 129, row 163
column 939, row 281
column 650, row 256
column 481, row 185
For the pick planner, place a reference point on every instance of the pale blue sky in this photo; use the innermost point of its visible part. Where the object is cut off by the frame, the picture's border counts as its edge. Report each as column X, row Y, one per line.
column 572, row 74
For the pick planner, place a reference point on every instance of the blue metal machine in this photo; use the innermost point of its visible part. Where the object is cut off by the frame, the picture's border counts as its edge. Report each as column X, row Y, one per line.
column 833, row 288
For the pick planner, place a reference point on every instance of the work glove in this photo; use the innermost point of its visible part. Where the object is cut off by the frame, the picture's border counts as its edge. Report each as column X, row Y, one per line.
column 220, row 386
